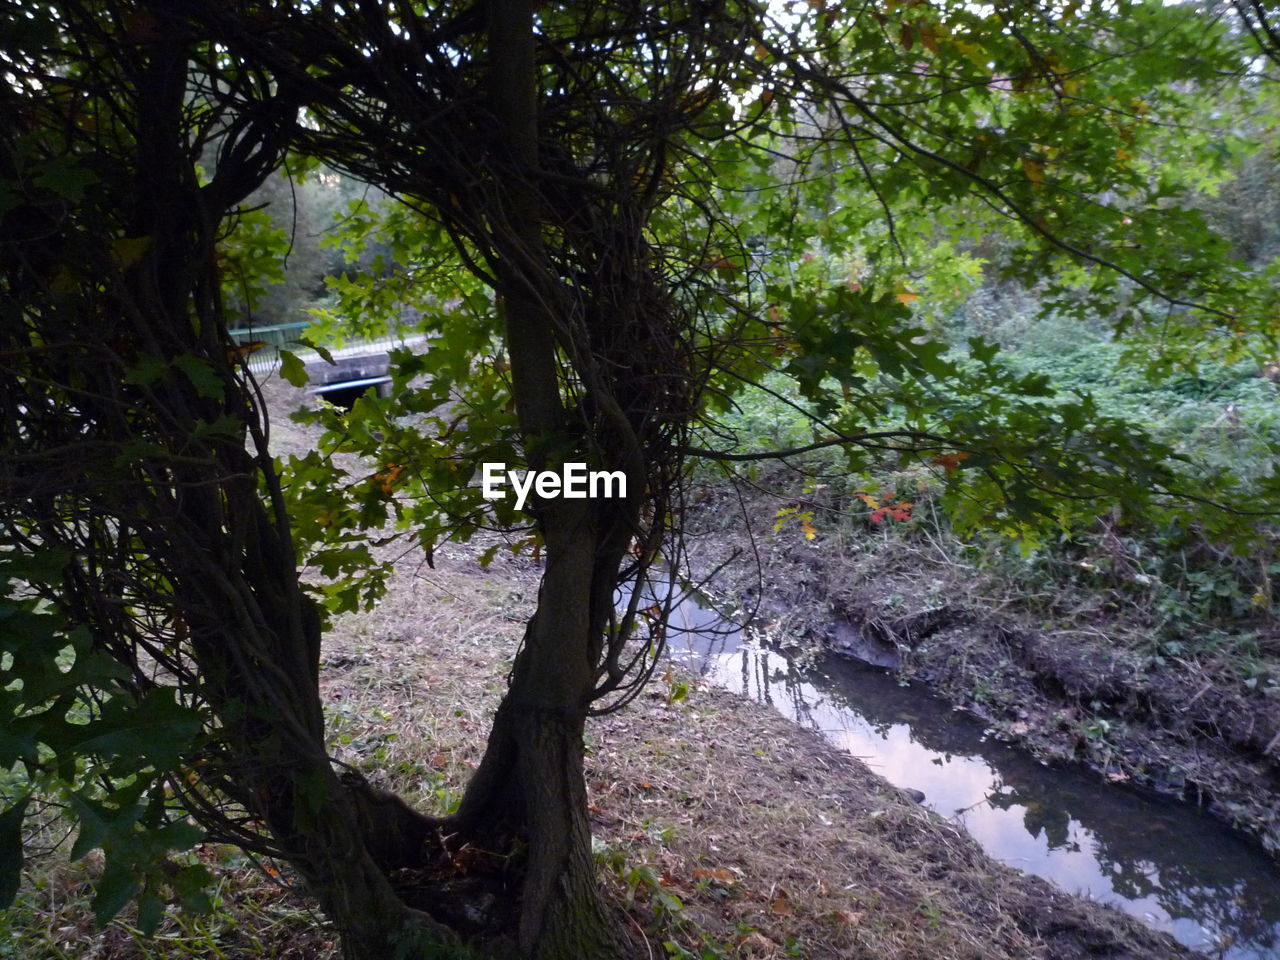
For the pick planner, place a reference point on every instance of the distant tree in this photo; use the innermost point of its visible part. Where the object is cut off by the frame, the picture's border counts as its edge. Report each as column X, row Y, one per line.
column 298, row 210
column 1262, row 22
column 584, row 191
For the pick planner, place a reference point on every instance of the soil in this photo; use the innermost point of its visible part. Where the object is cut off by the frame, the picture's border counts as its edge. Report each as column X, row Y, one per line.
column 716, row 821
column 1188, row 726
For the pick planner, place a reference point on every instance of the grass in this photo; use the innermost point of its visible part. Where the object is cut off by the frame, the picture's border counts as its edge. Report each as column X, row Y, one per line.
column 722, row 831
column 252, row 914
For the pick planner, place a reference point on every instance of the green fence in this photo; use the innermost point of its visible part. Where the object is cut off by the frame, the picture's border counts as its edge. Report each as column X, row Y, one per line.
column 262, row 344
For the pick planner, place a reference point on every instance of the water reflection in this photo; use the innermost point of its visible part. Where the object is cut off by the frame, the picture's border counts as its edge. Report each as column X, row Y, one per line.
column 1160, row 860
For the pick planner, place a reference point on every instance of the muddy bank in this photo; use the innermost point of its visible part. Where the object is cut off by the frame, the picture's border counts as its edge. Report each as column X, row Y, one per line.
column 1081, row 689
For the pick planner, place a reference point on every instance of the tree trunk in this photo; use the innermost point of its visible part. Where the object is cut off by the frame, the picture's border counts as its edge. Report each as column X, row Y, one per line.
column 532, row 775
column 561, row 915
column 531, row 778
column 531, row 781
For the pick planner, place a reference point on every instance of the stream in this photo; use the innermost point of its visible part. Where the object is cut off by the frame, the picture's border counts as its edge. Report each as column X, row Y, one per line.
column 1161, row 860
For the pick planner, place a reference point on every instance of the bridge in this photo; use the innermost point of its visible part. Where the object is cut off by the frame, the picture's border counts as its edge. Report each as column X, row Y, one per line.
column 358, row 365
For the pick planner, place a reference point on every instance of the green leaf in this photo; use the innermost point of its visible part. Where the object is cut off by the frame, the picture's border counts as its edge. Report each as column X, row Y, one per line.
column 982, row 351
column 150, row 911
column 202, row 375
column 43, row 565
column 146, row 370
column 67, row 178
column 116, row 888
column 129, row 250
column 324, row 353
column 98, row 822
column 11, row 851
column 178, row 835
column 157, row 728
column 226, row 427
column 191, row 884
column 292, row 369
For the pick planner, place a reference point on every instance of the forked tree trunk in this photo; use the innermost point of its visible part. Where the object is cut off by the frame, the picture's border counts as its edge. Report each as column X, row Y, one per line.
column 533, row 765
column 531, row 778
column 531, row 783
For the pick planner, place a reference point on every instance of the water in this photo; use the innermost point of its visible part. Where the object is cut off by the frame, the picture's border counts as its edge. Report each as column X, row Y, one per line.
column 1163, row 861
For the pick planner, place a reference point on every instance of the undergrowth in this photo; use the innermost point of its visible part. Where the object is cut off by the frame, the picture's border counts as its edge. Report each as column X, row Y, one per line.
column 1185, row 587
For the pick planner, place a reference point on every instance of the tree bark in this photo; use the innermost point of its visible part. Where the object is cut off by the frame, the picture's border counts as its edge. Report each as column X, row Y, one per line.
column 532, row 773
column 531, row 778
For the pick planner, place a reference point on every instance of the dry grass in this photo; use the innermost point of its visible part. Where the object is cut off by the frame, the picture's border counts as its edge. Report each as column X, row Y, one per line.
column 254, row 915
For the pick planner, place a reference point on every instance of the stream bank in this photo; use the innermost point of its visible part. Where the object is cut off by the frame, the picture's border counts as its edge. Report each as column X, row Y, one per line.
column 1183, row 727
column 722, row 829
column 1161, row 861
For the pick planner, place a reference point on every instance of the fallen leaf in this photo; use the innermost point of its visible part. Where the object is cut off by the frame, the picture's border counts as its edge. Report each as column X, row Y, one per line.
column 849, row 918
column 756, row 941
column 781, row 904
column 719, row 876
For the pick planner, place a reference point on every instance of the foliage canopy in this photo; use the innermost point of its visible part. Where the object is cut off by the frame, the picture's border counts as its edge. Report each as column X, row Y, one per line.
column 613, row 220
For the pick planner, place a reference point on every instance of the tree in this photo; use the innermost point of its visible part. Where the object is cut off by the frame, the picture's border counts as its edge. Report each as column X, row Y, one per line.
column 598, row 172
column 141, row 502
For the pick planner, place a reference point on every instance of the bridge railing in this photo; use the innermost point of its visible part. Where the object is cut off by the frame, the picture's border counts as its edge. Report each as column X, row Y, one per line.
column 260, row 346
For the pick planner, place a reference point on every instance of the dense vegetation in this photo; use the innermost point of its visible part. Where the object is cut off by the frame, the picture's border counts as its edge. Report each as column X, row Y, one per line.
column 650, row 238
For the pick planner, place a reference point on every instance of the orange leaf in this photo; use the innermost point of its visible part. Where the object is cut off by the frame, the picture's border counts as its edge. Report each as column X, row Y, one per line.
column 781, row 904
column 387, row 480
column 722, row 265
column 242, row 350
column 951, row 461
column 849, row 918
column 720, row 876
